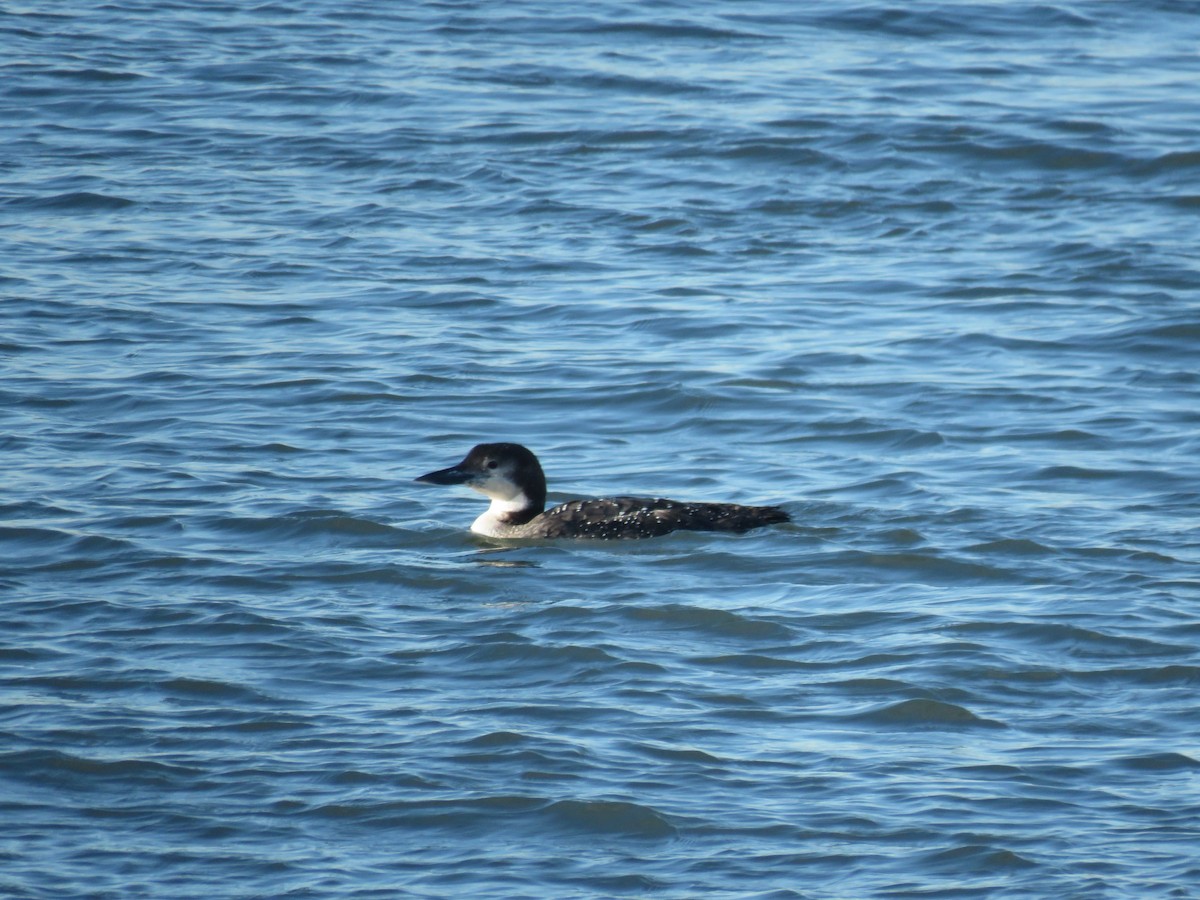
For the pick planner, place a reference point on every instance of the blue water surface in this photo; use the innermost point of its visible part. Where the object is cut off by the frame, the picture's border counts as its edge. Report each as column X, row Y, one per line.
column 925, row 274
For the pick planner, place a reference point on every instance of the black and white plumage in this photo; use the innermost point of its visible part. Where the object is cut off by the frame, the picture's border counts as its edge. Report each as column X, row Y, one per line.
column 512, row 477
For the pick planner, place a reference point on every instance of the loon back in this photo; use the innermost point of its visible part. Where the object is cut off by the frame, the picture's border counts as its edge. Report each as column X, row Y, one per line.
column 512, row 477
column 637, row 517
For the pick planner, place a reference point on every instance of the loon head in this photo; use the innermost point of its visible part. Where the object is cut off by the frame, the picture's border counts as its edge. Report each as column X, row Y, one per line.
column 507, row 473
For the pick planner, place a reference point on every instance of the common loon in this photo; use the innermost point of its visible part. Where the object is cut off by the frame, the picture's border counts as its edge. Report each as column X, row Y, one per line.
column 512, row 477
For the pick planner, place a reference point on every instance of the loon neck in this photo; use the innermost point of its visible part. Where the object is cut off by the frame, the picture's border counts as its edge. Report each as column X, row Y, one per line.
column 516, row 510
column 502, row 515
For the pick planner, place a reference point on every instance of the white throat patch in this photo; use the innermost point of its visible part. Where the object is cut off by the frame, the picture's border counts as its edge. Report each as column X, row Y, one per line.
column 491, row 523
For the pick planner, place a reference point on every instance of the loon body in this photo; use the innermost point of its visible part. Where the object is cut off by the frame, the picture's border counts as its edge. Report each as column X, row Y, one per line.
column 512, row 477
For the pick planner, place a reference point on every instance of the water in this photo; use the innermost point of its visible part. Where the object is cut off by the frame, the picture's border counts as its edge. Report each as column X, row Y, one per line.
column 923, row 273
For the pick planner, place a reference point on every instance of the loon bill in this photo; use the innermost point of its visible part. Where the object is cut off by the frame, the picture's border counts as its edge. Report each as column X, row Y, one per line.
column 512, row 477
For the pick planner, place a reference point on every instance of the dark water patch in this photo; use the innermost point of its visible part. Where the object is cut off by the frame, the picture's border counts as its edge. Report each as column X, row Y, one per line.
column 36, row 537
column 923, row 714
column 50, row 551
column 644, row 86
column 1146, row 478
column 211, row 690
column 860, row 432
column 988, row 344
column 1179, row 162
column 974, row 20
column 1158, row 762
column 464, row 814
column 517, row 814
column 26, row 655
column 990, row 770
column 549, row 764
column 925, row 568
column 861, row 621
column 1163, row 340
column 323, row 527
column 81, row 772
column 1044, row 155
column 497, row 739
column 1187, row 202
column 717, row 622
column 781, row 152
column 1073, row 640
column 610, row 817
column 75, row 201
column 271, row 725
column 1013, row 547
column 680, row 29
column 870, row 687
column 1061, row 437
column 680, row 755
column 976, row 858
column 1003, row 297
column 93, row 75
column 1179, row 676
column 273, row 447
column 751, row 662
column 512, row 648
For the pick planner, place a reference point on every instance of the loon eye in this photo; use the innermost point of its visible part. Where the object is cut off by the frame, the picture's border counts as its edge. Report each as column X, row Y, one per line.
column 491, row 463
